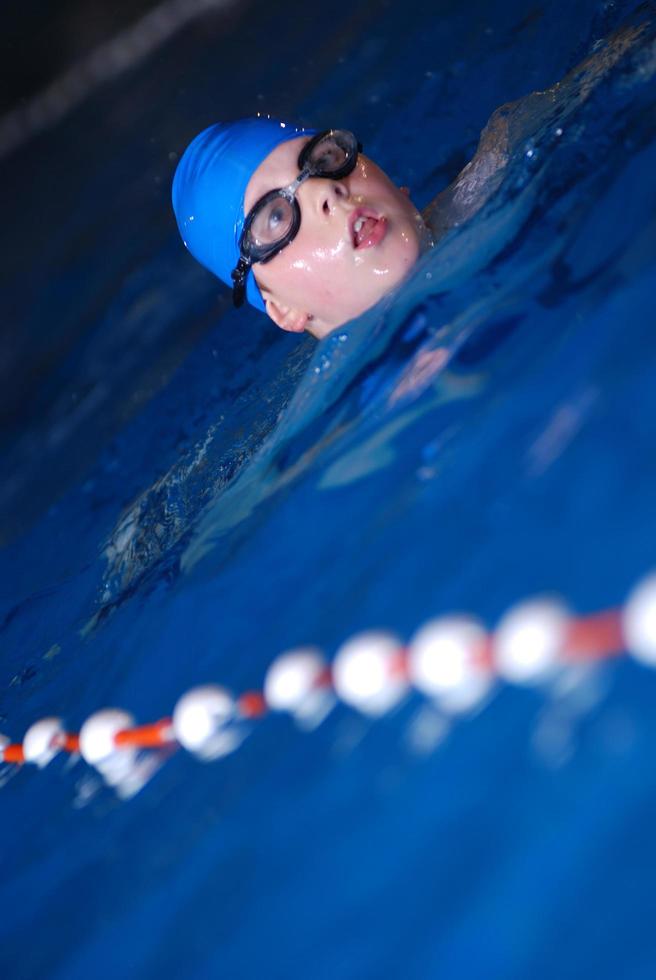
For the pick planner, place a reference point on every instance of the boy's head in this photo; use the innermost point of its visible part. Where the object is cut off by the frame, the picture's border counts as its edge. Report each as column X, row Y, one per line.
column 353, row 239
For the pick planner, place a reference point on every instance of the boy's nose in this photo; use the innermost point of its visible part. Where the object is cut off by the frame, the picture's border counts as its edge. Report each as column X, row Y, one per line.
column 329, row 194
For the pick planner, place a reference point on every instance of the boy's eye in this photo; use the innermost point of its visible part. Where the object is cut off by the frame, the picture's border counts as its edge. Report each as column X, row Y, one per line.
column 276, row 219
column 272, row 222
column 329, row 157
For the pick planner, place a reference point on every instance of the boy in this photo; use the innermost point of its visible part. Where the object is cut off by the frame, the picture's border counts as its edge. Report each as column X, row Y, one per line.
column 300, row 223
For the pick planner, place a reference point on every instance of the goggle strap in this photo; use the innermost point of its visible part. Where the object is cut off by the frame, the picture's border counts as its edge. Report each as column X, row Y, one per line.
column 238, row 277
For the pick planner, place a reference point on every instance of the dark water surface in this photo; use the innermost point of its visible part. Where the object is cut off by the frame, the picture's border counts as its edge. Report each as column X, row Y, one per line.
column 189, row 491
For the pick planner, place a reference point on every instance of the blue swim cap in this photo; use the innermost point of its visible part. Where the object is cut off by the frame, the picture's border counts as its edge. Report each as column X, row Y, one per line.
column 209, row 186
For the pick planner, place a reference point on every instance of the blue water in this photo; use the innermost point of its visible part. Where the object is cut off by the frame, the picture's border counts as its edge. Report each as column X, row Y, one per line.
column 189, row 492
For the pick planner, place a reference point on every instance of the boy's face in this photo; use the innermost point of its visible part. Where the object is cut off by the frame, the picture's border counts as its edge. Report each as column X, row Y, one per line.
column 323, row 277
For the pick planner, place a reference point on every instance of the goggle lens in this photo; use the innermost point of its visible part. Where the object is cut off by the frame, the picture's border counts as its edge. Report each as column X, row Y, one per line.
column 330, row 156
column 272, row 222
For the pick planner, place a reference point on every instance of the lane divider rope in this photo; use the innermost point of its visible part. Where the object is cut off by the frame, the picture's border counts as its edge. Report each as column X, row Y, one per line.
column 451, row 660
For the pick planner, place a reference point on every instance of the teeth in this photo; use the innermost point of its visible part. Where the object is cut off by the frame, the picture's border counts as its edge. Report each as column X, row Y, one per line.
column 358, row 225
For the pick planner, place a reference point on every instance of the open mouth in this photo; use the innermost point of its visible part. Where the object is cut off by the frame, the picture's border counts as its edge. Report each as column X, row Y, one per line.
column 367, row 228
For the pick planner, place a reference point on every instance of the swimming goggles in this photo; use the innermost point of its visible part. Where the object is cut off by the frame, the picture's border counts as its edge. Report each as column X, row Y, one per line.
column 273, row 221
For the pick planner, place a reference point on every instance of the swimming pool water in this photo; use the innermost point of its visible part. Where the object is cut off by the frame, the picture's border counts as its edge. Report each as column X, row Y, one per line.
column 190, row 492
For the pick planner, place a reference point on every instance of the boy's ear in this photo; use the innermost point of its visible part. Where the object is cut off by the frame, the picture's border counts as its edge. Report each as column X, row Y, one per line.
column 285, row 317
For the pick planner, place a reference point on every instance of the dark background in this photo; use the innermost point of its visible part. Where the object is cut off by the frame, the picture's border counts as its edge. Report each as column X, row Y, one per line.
column 42, row 39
